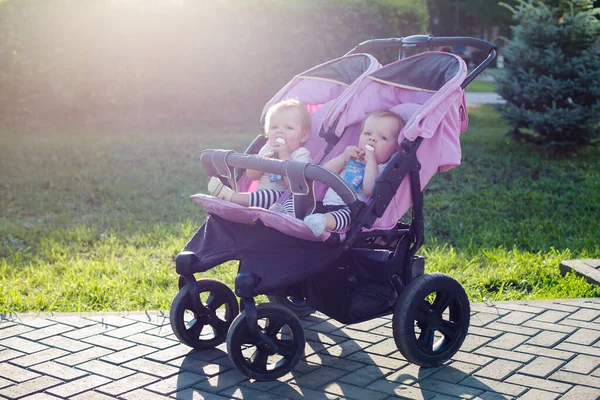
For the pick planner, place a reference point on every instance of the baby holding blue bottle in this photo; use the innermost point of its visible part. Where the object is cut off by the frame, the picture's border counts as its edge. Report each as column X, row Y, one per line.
column 358, row 166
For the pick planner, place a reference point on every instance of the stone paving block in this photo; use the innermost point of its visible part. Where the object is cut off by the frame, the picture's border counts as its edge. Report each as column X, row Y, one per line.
column 346, row 348
column 152, row 341
column 155, row 317
column 5, row 382
column 490, row 333
column 36, row 322
column 130, row 330
column 403, row 391
column 366, row 375
column 580, row 324
column 9, row 354
column 219, row 382
column 543, row 351
column 319, row 377
column 577, row 348
column 556, row 305
column 59, row 371
column 88, row 331
column 546, row 339
column 348, row 391
column 549, row 327
column 29, row 387
column 516, row 318
column 551, row 316
column 482, row 319
column 582, row 364
column 66, row 343
column 77, row 386
column 578, row 379
column 295, row 392
column 586, row 314
column 384, row 348
column 108, row 342
column 508, row 341
column 473, row 342
column 329, row 361
column 472, row 358
column 17, row 374
column 83, row 356
column 127, row 384
column 105, row 369
column 152, row 367
column 583, row 336
column 76, row 321
column 348, row 333
column 369, row 325
column 537, row 394
column 40, row 396
column 266, row 386
column 111, row 320
column 46, row 332
column 504, row 354
column 521, row 307
column 143, row 394
column 537, row 383
column 171, row 353
column 91, row 395
column 198, row 366
column 493, row 396
column 129, row 354
column 492, row 385
column 210, row 354
column 411, row 374
column 380, row 361
column 455, row 372
column 499, row 369
column 39, row 357
column 194, row 394
column 315, row 347
column 23, row 345
column 452, row 389
column 162, row 331
column 322, row 338
column 541, row 367
column 383, row 331
column 326, row 326
column 582, row 393
column 246, row 393
column 521, row 330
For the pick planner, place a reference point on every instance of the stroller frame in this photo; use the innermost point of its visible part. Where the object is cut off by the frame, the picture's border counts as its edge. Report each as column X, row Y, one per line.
column 409, row 279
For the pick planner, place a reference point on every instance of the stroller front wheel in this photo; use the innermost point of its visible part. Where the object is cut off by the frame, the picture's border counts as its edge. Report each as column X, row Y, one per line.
column 431, row 319
column 207, row 327
column 276, row 352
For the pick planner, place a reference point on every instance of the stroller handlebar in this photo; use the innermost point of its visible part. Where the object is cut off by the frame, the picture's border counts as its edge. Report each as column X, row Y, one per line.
column 429, row 41
column 215, row 161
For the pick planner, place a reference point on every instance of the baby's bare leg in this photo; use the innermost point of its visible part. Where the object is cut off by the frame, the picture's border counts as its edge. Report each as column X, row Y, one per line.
column 241, row 198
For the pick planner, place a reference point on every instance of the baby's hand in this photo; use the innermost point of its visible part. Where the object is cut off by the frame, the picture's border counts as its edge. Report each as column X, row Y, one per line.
column 269, row 154
column 353, row 152
column 282, row 151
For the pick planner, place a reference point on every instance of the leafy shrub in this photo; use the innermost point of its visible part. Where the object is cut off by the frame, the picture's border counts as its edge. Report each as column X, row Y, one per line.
column 174, row 62
column 552, row 79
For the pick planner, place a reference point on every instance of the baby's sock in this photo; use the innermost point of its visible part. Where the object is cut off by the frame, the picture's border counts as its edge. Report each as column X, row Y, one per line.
column 218, row 189
column 316, row 223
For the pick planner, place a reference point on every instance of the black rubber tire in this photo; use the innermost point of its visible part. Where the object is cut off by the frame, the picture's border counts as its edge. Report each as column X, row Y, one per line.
column 190, row 333
column 257, row 365
column 297, row 304
column 413, row 310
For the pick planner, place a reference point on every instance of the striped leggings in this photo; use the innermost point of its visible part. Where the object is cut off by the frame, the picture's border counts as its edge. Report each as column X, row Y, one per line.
column 265, row 198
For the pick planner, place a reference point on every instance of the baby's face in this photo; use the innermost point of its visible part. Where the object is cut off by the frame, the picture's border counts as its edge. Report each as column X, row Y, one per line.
column 287, row 124
column 380, row 133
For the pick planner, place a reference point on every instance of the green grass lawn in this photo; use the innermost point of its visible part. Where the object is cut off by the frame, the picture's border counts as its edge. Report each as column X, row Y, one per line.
column 93, row 220
column 481, row 86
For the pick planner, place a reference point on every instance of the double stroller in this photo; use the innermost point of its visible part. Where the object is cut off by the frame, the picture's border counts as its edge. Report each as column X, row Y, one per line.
column 366, row 271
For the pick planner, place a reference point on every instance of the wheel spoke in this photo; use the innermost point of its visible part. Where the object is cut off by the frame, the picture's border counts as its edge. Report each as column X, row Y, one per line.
column 258, row 360
column 422, row 311
column 218, row 324
column 196, row 328
column 274, row 325
column 287, row 348
column 449, row 329
column 215, row 300
column 442, row 301
column 426, row 338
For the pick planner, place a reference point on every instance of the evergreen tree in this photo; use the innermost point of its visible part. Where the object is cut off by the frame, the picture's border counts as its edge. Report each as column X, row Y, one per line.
column 552, row 79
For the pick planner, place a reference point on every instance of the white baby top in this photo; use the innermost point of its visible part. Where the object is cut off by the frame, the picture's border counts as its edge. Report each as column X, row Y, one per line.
column 301, row 154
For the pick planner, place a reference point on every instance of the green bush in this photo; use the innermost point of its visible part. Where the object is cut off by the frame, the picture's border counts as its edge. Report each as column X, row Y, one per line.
column 552, row 79
column 174, row 62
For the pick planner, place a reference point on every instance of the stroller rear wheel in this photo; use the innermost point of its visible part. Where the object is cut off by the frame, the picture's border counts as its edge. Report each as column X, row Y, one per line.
column 207, row 327
column 295, row 303
column 276, row 352
column 431, row 319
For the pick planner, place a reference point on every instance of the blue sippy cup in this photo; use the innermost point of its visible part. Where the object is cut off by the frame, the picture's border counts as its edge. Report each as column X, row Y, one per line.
column 353, row 174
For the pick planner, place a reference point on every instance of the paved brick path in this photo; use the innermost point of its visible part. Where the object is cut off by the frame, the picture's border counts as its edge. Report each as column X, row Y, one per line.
column 527, row 350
